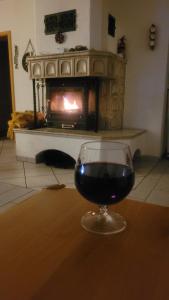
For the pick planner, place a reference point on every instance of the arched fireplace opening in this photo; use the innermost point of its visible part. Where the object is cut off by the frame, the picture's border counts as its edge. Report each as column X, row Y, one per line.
column 55, row 158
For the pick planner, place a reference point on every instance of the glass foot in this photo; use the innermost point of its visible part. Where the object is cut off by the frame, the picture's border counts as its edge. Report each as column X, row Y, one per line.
column 103, row 222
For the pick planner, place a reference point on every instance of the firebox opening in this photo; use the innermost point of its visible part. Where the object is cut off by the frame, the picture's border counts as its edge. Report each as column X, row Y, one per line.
column 72, row 103
column 66, row 100
column 55, row 158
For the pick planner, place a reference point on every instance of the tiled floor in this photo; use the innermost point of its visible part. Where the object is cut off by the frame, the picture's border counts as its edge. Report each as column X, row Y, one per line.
column 19, row 180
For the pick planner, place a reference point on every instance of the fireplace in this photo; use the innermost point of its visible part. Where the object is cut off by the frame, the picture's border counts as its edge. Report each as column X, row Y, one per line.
column 75, row 90
column 72, row 103
column 79, row 90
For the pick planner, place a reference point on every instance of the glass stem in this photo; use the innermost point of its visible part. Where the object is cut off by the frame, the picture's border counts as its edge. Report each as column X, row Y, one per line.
column 103, row 209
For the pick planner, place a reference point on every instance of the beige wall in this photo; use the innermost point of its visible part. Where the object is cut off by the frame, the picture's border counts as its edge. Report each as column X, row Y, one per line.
column 46, row 43
column 146, row 70
column 17, row 16
column 96, row 24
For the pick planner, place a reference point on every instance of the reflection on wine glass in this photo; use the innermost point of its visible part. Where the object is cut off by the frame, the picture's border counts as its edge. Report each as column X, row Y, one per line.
column 104, row 175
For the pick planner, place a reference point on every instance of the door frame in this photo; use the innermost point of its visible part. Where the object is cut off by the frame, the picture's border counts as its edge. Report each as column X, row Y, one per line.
column 7, row 34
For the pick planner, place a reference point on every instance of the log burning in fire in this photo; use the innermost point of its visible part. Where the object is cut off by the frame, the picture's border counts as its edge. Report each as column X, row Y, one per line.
column 70, row 106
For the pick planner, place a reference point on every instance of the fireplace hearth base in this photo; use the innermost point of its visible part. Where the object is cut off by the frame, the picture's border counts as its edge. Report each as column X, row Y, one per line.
column 29, row 143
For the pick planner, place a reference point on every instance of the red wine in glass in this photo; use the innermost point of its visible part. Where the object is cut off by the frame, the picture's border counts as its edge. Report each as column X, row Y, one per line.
column 104, row 175
column 104, row 183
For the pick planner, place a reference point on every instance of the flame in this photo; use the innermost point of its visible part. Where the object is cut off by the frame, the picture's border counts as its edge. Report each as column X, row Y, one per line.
column 68, row 105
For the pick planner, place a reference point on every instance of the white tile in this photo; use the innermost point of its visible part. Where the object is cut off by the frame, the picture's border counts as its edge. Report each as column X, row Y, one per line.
column 38, row 171
column 11, row 173
column 41, row 181
column 29, row 165
column 12, row 195
column 163, row 184
column 144, row 165
column 133, row 195
column 19, row 181
column 145, row 188
column 4, row 187
column 138, row 180
column 7, row 158
column 160, row 169
column 166, row 162
column 11, row 166
column 70, row 185
column 9, row 143
column 26, row 196
column 6, row 207
column 60, row 171
column 65, row 178
column 159, row 197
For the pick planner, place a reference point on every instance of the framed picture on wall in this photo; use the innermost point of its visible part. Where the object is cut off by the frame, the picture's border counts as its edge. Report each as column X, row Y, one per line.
column 60, row 22
column 111, row 25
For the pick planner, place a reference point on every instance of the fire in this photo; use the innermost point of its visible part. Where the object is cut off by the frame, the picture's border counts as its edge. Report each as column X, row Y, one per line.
column 68, row 105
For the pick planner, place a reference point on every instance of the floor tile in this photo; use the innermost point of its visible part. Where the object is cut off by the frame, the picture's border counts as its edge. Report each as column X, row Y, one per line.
column 151, row 182
column 12, row 195
column 38, row 171
column 29, row 165
column 70, row 185
column 4, row 187
column 11, row 173
column 6, row 207
column 138, row 180
column 159, row 197
column 26, row 196
column 66, row 178
column 40, row 181
column 144, row 165
column 14, row 165
column 133, row 195
column 163, row 184
column 143, row 190
column 59, row 171
column 160, row 169
column 15, row 181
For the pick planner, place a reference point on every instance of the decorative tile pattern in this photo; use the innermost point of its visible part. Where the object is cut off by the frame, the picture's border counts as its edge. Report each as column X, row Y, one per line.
column 111, row 100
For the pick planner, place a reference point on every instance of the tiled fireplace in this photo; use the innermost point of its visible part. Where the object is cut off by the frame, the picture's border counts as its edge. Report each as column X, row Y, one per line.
column 79, row 90
column 82, row 96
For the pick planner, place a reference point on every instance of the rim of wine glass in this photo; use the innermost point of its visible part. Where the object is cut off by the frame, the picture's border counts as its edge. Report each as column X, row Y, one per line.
column 119, row 145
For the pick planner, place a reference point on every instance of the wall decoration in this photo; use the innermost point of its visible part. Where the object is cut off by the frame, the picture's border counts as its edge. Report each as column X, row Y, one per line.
column 59, row 37
column 121, row 47
column 60, row 22
column 152, row 36
column 111, row 25
column 29, row 51
column 16, row 56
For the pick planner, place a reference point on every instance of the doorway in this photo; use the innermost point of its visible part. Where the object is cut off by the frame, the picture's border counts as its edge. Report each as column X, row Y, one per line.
column 7, row 102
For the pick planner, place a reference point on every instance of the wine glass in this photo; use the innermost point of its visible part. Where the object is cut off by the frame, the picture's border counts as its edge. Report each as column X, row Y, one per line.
column 104, row 175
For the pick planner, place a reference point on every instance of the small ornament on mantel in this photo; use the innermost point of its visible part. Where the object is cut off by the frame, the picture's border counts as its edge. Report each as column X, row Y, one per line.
column 121, row 47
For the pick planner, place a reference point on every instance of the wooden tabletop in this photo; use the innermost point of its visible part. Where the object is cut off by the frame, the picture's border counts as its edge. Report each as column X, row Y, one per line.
column 45, row 254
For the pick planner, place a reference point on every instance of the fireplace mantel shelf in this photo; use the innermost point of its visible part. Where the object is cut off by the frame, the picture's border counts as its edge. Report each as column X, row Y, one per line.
column 128, row 133
column 73, row 64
